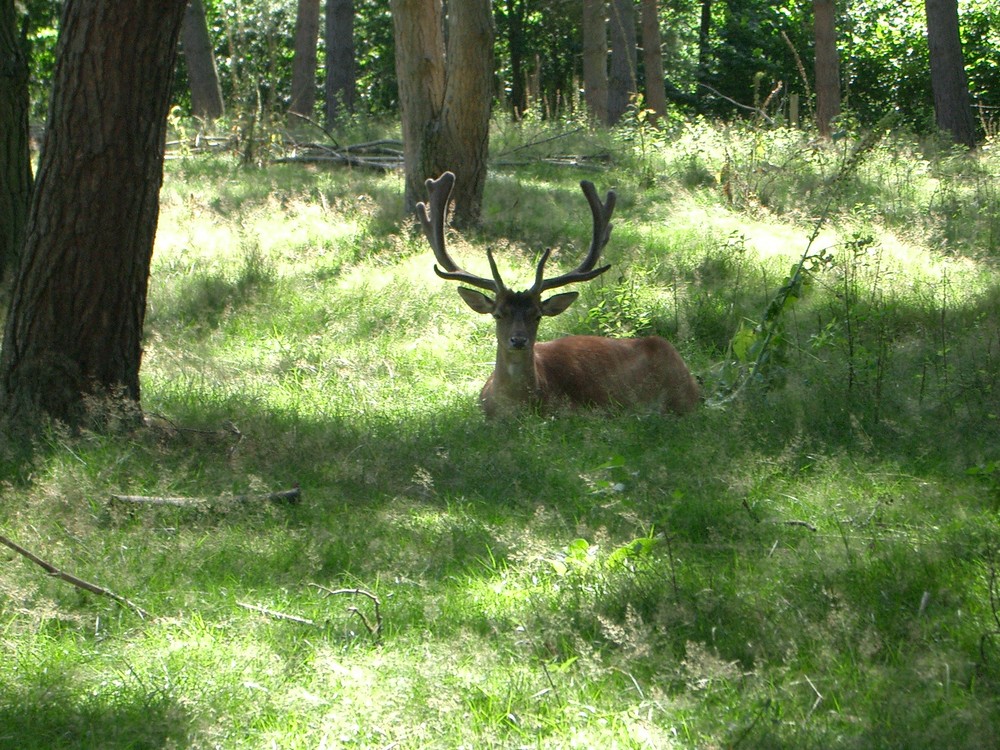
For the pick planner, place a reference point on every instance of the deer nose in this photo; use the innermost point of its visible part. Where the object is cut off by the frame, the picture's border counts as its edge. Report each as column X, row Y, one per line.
column 518, row 342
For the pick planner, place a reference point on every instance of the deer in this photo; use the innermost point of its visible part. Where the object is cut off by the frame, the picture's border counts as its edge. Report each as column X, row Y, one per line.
column 581, row 371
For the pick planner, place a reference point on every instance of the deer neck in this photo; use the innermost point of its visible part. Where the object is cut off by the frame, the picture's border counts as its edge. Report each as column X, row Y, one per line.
column 515, row 377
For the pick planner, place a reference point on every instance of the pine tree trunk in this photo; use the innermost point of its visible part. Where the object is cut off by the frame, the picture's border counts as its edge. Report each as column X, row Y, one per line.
column 652, row 58
column 203, row 76
column 516, row 10
column 340, row 68
column 622, row 79
column 952, row 107
column 73, row 333
column 827, row 64
column 304, row 59
column 461, row 143
column 444, row 98
column 15, row 157
column 595, row 58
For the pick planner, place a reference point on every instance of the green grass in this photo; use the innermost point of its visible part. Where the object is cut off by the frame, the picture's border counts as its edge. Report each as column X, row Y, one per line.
column 813, row 565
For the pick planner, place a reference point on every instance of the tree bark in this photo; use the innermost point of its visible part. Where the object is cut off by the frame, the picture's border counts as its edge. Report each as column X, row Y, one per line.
column 622, row 79
column 652, row 58
column 304, row 58
column 704, row 47
column 203, row 75
column 73, row 333
column 595, row 58
column 341, row 83
column 15, row 156
column 516, row 10
column 445, row 96
column 952, row 105
column 827, row 64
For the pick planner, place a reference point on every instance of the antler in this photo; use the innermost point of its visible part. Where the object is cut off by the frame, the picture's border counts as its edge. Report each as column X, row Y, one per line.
column 432, row 220
column 602, row 233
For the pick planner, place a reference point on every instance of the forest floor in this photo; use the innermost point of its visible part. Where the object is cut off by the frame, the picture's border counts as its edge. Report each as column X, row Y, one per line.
column 808, row 560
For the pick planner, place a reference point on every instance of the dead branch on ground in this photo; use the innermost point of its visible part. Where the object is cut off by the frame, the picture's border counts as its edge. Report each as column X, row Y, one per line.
column 374, row 628
column 290, row 496
column 277, row 615
column 53, row 571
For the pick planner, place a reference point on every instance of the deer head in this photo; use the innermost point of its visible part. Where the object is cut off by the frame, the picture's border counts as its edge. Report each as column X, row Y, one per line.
column 517, row 313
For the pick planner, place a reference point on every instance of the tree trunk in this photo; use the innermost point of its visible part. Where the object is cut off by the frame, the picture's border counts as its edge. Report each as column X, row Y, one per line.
column 704, row 47
column 445, row 97
column 652, row 58
column 516, row 10
column 73, row 333
column 622, row 79
column 304, row 58
column 595, row 58
column 340, row 72
column 952, row 106
column 15, row 157
column 827, row 64
column 203, row 76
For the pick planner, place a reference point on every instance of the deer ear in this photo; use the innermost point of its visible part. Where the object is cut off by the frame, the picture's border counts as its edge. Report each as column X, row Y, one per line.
column 477, row 300
column 559, row 303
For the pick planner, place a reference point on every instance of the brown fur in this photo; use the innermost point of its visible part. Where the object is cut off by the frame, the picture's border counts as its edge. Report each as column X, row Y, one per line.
column 591, row 371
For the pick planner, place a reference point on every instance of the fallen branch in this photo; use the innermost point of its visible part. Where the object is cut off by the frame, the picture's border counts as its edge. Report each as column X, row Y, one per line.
column 353, row 161
column 276, row 615
column 69, row 578
column 375, row 629
column 291, row 497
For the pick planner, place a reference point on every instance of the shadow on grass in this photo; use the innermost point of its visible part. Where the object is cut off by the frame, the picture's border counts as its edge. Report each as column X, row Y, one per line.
column 53, row 716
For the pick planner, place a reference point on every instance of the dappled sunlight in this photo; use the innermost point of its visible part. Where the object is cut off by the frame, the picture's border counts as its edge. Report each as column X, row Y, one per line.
column 777, row 566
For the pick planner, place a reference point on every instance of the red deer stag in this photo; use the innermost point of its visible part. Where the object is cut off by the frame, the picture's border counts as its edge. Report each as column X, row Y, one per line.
column 574, row 370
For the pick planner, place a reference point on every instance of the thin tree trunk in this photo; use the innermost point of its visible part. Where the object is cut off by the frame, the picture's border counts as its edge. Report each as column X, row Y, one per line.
column 595, row 58
column 73, row 333
column 952, row 106
column 203, row 76
column 15, row 156
column 704, row 49
column 827, row 64
column 304, row 60
column 515, row 44
column 622, row 79
column 652, row 58
column 340, row 69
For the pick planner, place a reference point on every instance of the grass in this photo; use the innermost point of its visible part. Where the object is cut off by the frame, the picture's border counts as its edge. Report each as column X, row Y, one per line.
column 813, row 565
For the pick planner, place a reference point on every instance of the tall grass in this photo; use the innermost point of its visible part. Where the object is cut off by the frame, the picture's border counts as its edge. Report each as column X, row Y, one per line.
column 813, row 565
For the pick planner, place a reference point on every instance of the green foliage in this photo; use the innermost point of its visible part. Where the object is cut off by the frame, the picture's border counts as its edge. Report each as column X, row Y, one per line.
column 812, row 565
column 755, row 57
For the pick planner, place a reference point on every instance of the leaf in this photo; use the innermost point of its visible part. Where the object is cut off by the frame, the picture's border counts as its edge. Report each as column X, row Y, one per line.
column 743, row 341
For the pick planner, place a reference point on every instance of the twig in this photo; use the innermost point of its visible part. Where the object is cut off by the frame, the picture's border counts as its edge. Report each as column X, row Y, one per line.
column 375, row 629
column 539, row 142
column 276, row 615
column 291, row 496
column 315, row 124
column 78, row 582
column 756, row 110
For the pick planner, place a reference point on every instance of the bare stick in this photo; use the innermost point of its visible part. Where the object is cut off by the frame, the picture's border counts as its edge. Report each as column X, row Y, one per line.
column 374, row 628
column 276, row 615
column 78, row 582
column 291, row 496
